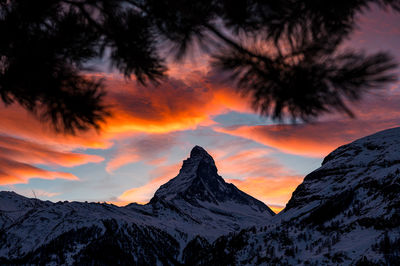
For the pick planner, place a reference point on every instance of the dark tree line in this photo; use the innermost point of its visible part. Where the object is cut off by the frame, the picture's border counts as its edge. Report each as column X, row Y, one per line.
column 285, row 53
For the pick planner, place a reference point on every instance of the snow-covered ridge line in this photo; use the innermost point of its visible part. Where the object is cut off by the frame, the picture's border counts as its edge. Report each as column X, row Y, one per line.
column 347, row 212
column 197, row 202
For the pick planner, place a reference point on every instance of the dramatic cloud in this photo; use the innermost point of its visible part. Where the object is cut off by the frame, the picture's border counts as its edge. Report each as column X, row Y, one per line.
column 374, row 113
column 18, row 159
column 34, row 153
column 312, row 140
column 16, row 121
column 147, row 120
column 13, row 172
column 247, row 163
column 176, row 104
column 257, row 173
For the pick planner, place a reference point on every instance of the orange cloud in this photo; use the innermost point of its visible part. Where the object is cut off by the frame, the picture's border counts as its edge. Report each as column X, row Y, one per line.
column 259, row 175
column 174, row 105
column 121, row 160
column 251, row 163
column 18, row 155
column 13, row 172
column 31, row 152
column 191, row 97
column 16, row 121
column 171, row 106
column 313, row 140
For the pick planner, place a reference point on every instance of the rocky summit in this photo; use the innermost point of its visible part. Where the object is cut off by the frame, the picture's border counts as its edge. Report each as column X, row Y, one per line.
column 199, row 184
column 196, row 204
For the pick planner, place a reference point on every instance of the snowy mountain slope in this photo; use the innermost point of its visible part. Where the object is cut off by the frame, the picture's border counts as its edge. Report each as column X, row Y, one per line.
column 14, row 206
column 346, row 212
column 362, row 177
column 196, row 202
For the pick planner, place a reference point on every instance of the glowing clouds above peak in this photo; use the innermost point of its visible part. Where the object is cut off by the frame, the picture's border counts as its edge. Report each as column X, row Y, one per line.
column 174, row 105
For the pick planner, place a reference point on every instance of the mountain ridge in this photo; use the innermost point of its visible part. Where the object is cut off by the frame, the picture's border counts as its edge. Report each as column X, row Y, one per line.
column 184, row 211
column 345, row 212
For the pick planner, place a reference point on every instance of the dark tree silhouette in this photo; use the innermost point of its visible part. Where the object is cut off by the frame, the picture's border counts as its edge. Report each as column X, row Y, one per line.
column 286, row 54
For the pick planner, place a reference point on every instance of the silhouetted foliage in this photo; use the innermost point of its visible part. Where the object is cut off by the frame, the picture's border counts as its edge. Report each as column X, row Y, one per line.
column 286, row 54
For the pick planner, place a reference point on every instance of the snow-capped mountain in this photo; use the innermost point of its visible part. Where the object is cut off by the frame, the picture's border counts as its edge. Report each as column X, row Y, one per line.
column 199, row 184
column 347, row 212
column 206, row 199
column 196, row 204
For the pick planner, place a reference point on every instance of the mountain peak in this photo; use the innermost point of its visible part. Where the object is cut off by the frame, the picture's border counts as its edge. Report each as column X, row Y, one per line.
column 198, row 182
column 196, row 171
column 198, row 155
column 198, row 151
column 199, row 159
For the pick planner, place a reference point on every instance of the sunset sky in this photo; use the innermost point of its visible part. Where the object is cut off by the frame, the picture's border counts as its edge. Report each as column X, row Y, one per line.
column 154, row 128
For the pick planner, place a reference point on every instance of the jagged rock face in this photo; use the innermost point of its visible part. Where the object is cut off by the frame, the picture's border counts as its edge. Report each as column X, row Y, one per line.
column 198, row 181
